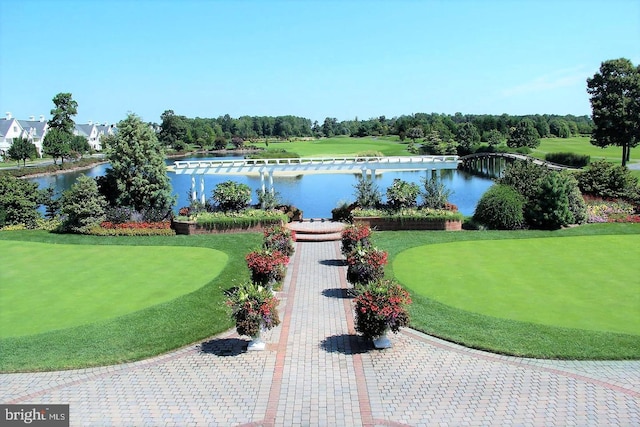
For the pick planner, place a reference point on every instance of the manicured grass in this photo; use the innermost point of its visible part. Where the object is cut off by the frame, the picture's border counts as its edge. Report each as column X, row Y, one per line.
column 341, row 146
column 581, row 145
column 587, row 282
column 143, row 333
column 75, row 285
column 520, row 337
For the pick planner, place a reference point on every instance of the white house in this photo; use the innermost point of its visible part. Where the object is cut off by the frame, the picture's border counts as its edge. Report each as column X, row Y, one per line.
column 34, row 131
column 10, row 129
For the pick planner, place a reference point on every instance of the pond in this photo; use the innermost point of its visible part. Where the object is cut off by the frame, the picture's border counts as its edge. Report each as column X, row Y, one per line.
column 315, row 194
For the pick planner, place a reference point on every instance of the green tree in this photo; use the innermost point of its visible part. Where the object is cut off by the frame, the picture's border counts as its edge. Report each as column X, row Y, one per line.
column 494, row 138
column 615, row 102
column 56, row 144
column 173, row 128
column 83, row 207
column 22, row 149
column 415, row 133
column 79, row 144
column 467, row 136
column 139, row 171
column 524, row 134
column 62, row 115
column 19, row 200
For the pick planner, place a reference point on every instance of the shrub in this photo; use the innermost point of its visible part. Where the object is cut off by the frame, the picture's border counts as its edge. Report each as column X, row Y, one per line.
column 524, row 177
column 244, row 219
column 342, row 212
column 231, row 196
column 436, row 194
column 402, row 194
column 83, row 206
column 568, row 159
column 367, row 193
column 18, row 202
column 549, row 209
column 267, row 199
column 501, row 207
column 609, row 181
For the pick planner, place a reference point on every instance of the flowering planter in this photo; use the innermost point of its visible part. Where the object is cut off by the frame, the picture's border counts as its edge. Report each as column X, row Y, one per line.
column 191, row 227
column 393, row 224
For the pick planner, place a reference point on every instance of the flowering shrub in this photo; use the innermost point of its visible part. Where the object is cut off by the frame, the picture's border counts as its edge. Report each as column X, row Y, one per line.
column 600, row 210
column 353, row 235
column 267, row 266
column 381, row 305
column 253, row 307
column 163, row 225
column 279, row 238
column 365, row 264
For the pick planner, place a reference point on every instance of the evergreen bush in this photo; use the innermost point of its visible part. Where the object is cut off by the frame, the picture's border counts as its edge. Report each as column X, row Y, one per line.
column 501, row 207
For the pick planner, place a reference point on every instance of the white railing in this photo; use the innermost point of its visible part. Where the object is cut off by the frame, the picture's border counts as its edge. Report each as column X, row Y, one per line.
column 332, row 163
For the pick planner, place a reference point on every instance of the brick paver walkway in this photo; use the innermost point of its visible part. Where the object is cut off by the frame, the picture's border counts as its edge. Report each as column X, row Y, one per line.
column 316, row 371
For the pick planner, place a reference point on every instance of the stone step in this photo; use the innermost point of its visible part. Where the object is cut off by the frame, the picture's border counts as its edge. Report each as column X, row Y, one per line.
column 317, row 230
column 317, row 237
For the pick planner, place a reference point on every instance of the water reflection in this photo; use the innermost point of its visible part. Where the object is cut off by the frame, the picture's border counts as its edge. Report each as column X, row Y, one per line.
column 315, row 194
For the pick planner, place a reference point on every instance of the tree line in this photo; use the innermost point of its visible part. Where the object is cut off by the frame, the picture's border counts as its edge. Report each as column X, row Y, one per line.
column 178, row 130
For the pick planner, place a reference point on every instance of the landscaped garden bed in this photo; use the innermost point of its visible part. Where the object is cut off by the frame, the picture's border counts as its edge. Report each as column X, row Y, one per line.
column 409, row 219
column 251, row 220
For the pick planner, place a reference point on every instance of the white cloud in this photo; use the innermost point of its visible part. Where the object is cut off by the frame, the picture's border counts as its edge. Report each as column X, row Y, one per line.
column 557, row 79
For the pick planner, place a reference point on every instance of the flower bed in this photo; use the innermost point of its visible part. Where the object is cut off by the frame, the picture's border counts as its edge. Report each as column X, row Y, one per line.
column 409, row 219
column 218, row 222
column 600, row 210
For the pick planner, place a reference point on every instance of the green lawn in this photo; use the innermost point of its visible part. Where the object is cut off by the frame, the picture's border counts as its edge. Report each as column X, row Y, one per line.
column 450, row 302
column 341, row 146
column 193, row 312
column 581, row 145
column 73, row 285
column 587, row 282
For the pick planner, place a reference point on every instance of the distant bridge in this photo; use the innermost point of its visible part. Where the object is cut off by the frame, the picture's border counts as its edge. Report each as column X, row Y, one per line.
column 266, row 168
column 495, row 161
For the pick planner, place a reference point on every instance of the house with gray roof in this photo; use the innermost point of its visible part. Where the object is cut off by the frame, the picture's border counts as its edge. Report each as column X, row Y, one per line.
column 34, row 131
column 10, row 129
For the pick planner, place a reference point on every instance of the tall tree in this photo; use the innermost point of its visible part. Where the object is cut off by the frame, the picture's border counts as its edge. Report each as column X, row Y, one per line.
column 22, row 149
column 615, row 102
column 62, row 115
column 138, row 168
column 57, row 140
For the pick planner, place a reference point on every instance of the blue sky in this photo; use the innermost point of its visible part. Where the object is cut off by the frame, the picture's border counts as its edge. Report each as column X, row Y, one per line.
column 310, row 58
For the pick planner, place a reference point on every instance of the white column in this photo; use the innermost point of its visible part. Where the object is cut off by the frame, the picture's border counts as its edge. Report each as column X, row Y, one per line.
column 262, row 181
column 202, row 197
column 194, row 196
column 271, row 190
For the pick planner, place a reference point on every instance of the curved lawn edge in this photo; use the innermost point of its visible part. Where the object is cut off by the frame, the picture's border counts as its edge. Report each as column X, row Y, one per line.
column 142, row 334
column 503, row 336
